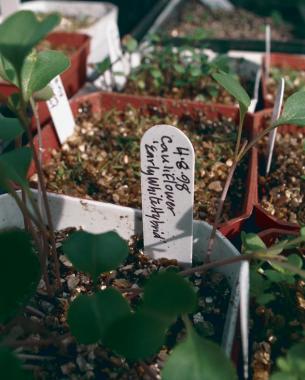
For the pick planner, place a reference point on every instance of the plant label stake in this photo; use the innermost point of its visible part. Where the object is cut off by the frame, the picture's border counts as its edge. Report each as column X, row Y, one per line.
column 218, row 4
column 254, row 101
column 268, row 50
column 275, row 115
column 8, row 7
column 244, row 280
column 116, row 54
column 60, row 110
column 167, row 184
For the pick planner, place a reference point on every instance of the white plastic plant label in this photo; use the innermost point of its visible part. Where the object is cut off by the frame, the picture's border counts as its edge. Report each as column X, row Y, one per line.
column 116, row 55
column 254, row 100
column 60, row 110
column 275, row 115
column 268, row 50
column 167, row 184
column 8, row 7
column 218, row 4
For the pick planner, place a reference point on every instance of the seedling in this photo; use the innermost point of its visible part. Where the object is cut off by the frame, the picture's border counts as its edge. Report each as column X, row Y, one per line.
column 104, row 315
column 182, row 72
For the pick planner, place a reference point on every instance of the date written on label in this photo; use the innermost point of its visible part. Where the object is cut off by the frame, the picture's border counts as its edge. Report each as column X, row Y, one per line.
column 167, row 182
column 60, row 110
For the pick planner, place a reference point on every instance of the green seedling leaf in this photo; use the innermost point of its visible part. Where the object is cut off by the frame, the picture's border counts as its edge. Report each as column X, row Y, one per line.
column 130, row 44
column 10, row 366
column 294, row 261
column 95, row 253
column 260, row 288
column 179, row 68
column 252, row 242
column 292, row 269
column 198, row 359
column 302, row 231
column 265, row 299
column 195, row 71
column 103, row 66
column 10, row 128
column 221, row 62
column 136, row 336
column 232, row 85
column 7, row 71
column 279, row 276
column 17, row 42
column 14, row 166
column 19, row 272
column 40, row 68
column 169, row 294
column 293, row 365
column 89, row 317
column 284, row 376
column 293, row 111
column 156, row 73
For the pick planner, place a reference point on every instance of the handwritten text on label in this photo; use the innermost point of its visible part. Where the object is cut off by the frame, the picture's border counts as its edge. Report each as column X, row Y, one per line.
column 167, row 182
column 60, row 110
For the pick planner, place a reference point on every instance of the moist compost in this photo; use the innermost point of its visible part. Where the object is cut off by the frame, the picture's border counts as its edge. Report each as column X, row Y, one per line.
column 282, row 192
column 51, row 353
column 193, row 19
column 294, row 81
column 101, row 161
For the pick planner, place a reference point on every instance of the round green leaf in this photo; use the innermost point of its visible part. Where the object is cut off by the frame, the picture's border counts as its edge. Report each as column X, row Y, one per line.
column 179, row 68
column 156, row 73
column 90, row 316
column 292, row 367
column 195, row 71
column 198, row 359
column 10, row 128
column 19, row 272
column 284, row 376
column 252, row 242
column 14, row 166
column 10, row 366
column 95, row 253
column 17, row 42
column 40, row 68
column 295, row 260
column 130, row 44
column 169, row 294
column 136, row 336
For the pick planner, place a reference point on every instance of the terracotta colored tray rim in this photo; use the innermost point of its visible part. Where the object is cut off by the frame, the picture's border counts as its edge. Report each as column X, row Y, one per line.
column 107, row 100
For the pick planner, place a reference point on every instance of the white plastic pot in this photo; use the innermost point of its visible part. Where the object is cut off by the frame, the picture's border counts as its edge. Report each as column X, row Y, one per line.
column 98, row 217
column 105, row 13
